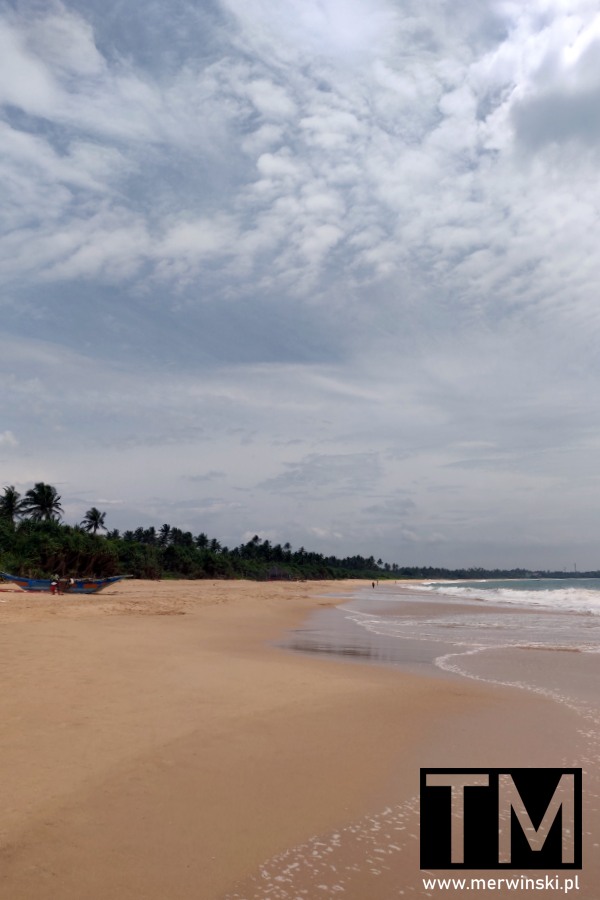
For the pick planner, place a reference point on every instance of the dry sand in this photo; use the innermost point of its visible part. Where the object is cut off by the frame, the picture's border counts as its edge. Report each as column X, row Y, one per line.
column 154, row 745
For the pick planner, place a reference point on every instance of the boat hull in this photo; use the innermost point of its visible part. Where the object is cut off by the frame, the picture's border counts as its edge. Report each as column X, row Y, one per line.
column 76, row 586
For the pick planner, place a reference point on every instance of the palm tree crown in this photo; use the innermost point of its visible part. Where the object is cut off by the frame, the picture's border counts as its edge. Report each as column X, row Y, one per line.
column 11, row 504
column 42, row 503
column 164, row 535
column 93, row 520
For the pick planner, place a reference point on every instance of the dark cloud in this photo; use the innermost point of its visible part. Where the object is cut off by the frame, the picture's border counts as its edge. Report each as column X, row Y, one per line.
column 391, row 510
column 557, row 117
column 327, row 475
column 204, row 477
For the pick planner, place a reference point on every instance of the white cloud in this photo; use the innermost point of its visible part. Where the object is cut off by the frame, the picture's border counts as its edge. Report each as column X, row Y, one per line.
column 333, row 29
column 7, row 439
column 270, row 99
column 26, row 81
column 397, row 145
column 319, row 246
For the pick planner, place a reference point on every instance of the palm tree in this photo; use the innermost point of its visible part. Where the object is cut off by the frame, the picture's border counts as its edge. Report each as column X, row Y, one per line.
column 42, row 503
column 187, row 539
column 93, row 520
column 265, row 549
column 150, row 536
column 11, row 504
column 176, row 535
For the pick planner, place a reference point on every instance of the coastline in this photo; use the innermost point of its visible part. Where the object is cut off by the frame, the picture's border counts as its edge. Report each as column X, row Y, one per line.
column 156, row 743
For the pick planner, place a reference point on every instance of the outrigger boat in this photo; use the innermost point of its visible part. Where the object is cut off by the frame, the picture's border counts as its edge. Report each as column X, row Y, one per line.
column 63, row 585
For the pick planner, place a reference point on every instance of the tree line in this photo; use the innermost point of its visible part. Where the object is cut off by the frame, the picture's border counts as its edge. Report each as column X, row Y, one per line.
column 36, row 543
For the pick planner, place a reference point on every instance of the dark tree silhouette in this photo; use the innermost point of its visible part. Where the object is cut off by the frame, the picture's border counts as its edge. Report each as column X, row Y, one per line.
column 11, row 504
column 42, row 503
column 93, row 520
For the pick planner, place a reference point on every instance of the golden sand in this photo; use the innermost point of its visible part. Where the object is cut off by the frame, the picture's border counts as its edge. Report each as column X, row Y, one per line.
column 155, row 746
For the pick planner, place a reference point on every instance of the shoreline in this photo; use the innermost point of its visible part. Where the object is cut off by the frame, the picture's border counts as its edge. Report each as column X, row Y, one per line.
column 156, row 743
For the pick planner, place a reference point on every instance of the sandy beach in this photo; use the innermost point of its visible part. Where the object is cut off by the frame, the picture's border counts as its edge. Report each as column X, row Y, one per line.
column 156, row 743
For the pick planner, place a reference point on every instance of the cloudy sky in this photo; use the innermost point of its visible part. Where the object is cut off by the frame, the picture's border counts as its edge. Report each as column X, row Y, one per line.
column 322, row 270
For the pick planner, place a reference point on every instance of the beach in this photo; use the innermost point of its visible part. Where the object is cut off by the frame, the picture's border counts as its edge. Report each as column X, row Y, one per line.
column 159, row 740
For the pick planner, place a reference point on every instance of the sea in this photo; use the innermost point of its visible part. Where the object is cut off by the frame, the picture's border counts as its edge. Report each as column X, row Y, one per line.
column 537, row 635
column 469, row 628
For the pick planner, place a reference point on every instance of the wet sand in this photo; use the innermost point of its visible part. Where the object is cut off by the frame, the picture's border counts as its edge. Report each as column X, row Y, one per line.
column 156, row 743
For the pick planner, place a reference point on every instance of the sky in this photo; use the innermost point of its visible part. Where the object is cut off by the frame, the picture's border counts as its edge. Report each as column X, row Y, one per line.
column 325, row 271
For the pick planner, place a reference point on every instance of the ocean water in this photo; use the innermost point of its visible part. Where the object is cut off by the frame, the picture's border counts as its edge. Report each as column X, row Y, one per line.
column 427, row 624
column 572, row 594
column 496, row 631
column 540, row 636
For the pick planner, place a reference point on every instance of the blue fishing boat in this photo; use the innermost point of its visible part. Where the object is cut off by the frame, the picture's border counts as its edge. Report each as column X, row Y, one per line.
column 62, row 585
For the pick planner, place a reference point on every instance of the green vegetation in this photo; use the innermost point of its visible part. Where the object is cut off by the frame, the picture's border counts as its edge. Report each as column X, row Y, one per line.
column 34, row 542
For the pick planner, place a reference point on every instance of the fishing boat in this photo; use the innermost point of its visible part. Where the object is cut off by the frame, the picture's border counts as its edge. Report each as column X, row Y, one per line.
column 62, row 585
